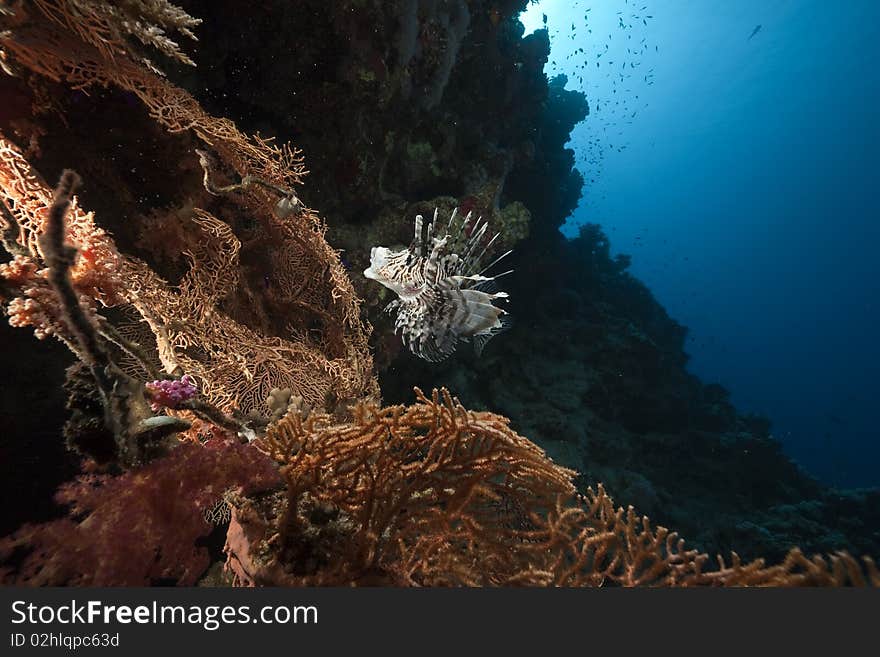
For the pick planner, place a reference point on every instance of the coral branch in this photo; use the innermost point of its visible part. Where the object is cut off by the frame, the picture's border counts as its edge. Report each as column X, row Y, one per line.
column 434, row 494
column 287, row 204
column 134, row 429
column 11, row 232
column 320, row 349
column 60, row 257
column 109, row 25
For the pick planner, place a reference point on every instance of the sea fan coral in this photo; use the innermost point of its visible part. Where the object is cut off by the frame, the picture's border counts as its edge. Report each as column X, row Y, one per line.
column 236, row 367
column 435, row 494
column 112, row 27
column 426, row 494
column 318, row 344
column 443, row 297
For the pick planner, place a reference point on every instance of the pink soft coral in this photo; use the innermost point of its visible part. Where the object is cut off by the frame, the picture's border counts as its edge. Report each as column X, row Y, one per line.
column 171, row 393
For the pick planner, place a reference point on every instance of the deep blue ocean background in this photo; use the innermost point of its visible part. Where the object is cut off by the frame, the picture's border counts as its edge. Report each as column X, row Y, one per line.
column 739, row 168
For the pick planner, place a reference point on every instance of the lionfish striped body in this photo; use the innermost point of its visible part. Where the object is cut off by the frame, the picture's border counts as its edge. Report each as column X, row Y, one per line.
column 443, row 297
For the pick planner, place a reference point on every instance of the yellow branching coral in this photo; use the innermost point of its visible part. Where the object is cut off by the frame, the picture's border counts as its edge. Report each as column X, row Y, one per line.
column 433, row 494
column 52, row 44
column 427, row 494
column 597, row 543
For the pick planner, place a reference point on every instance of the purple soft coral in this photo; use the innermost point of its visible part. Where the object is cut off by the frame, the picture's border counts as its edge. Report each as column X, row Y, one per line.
column 171, row 393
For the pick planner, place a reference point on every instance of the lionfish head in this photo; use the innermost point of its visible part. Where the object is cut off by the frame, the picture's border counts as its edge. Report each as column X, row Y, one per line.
column 390, row 268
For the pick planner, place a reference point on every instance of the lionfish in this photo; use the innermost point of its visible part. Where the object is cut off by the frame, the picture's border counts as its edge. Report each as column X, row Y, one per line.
column 443, row 296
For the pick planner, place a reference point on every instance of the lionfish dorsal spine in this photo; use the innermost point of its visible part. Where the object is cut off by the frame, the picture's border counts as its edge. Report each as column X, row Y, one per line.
column 464, row 222
column 474, row 241
column 417, row 246
column 429, row 239
column 476, row 261
column 451, row 221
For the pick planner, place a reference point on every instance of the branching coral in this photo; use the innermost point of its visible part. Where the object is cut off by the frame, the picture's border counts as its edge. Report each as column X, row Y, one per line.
column 412, row 493
column 64, row 50
column 434, row 494
column 95, row 274
column 594, row 543
column 430, row 494
column 236, row 367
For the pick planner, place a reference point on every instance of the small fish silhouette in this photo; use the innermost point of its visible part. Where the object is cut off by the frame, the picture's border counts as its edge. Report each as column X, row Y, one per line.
column 754, row 32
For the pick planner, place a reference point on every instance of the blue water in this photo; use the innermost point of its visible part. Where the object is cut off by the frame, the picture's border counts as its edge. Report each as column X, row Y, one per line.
column 742, row 176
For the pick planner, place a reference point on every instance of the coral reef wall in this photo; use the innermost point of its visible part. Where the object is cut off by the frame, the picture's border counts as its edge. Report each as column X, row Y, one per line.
column 593, row 368
column 203, row 251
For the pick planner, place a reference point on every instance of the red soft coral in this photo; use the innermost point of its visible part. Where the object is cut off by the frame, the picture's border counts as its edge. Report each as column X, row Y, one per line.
column 139, row 528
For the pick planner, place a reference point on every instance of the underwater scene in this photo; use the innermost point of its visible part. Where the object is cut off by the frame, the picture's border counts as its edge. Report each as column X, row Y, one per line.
column 439, row 293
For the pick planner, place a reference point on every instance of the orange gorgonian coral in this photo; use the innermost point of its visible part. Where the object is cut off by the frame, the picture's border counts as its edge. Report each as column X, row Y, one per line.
column 433, row 494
